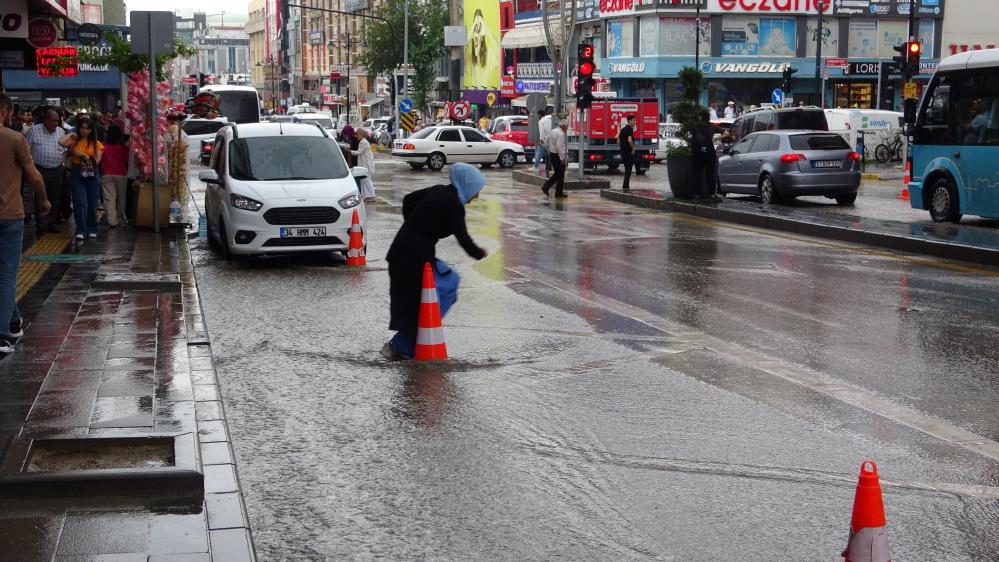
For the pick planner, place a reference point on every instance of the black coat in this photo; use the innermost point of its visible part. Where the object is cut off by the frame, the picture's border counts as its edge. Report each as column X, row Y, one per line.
column 428, row 215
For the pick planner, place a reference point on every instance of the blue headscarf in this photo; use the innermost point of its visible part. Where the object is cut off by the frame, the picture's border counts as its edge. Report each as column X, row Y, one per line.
column 467, row 181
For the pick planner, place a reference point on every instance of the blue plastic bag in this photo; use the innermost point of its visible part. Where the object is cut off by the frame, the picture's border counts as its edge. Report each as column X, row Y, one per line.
column 446, row 280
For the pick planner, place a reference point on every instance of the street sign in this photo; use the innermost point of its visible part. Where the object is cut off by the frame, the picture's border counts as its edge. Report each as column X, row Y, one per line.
column 89, row 34
column 407, row 121
column 406, row 105
column 536, row 102
column 460, row 110
column 152, row 33
column 777, row 96
column 909, row 90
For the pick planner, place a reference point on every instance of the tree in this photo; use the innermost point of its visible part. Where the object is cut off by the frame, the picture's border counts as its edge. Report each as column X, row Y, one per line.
column 384, row 54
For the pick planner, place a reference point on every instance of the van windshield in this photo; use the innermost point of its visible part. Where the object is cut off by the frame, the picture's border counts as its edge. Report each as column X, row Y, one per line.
column 239, row 106
column 285, row 158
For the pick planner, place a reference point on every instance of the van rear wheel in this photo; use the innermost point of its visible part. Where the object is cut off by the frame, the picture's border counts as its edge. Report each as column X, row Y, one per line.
column 943, row 202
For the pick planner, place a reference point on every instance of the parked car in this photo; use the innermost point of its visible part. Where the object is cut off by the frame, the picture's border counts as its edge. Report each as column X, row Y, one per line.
column 372, row 124
column 323, row 120
column 436, row 146
column 279, row 188
column 513, row 130
column 792, row 118
column 779, row 164
column 198, row 130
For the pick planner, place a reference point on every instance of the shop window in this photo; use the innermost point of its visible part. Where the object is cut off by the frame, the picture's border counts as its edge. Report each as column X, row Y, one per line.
column 648, row 36
column 676, row 36
column 620, row 38
column 744, row 36
column 522, row 6
column 927, row 37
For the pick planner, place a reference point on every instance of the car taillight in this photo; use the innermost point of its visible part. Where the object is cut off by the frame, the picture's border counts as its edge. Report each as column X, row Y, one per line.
column 789, row 158
column 208, row 147
column 853, row 156
column 649, row 156
column 409, row 146
column 595, row 157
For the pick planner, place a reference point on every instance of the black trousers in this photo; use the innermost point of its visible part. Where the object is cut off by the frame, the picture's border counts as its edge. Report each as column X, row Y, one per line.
column 558, row 177
column 53, row 178
column 705, row 172
column 629, row 165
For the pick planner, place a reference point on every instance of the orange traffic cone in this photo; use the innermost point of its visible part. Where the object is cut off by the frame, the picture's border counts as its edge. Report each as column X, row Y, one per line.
column 904, row 196
column 355, row 246
column 868, row 528
column 429, row 332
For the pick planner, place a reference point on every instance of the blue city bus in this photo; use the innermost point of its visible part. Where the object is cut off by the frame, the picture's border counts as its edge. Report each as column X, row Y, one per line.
column 955, row 143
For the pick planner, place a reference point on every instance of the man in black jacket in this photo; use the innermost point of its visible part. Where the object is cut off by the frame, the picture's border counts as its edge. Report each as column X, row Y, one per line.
column 626, row 140
column 705, row 159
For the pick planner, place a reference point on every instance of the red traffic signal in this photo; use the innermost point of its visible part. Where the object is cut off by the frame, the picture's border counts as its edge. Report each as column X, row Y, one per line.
column 586, row 68
column 915, row 48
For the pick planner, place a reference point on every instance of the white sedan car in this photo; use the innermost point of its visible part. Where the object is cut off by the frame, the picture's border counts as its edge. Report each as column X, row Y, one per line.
column 279, row 188
column 436, row 146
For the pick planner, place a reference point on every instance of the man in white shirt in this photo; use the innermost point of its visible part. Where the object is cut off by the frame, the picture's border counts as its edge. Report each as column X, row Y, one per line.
column 43, row 139
column 558, row 150
column 730, row 110
column 545, row 129
column 713, row 110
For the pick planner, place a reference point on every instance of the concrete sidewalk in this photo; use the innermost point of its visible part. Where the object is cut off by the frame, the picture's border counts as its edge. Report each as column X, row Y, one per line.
column 112, row 433
column 943, row 240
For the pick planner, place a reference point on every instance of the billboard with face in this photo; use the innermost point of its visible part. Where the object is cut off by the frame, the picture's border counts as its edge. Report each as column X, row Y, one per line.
column 483, row 53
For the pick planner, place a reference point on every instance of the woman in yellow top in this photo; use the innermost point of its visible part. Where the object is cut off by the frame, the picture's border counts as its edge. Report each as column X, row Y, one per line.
column 85, row 153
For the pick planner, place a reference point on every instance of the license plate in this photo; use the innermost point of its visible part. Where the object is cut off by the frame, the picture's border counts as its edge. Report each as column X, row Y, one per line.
column 398, row 145
column 828, row 164
column 302, row 231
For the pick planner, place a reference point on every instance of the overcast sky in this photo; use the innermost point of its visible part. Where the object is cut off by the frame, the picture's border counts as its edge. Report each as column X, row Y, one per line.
column 230, row 7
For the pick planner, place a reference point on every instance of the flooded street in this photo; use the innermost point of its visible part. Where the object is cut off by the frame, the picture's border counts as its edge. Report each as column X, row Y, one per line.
column 623, row 385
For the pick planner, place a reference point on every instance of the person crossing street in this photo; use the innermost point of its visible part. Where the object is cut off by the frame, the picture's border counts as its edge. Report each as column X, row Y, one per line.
column 626, row 140
column 558, row 151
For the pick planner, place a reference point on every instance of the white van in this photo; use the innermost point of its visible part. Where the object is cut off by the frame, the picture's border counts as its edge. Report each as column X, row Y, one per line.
column 847, row 123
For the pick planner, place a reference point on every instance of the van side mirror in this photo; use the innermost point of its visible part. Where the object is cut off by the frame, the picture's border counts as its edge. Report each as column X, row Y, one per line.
column 210, row 177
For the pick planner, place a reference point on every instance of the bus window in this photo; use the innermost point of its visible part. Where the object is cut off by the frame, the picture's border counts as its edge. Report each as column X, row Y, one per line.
column 934, row 125
column 239, row 106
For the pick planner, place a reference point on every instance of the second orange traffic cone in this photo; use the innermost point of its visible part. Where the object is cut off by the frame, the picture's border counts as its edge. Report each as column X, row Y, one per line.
column 868, row 528
column 429, row 332
column 355, row 245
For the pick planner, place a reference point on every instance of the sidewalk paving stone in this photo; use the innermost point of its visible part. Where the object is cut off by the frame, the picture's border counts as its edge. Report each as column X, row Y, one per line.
column 129, row 361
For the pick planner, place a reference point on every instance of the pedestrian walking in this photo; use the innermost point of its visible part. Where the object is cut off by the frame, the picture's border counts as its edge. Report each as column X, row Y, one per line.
column 705, row 159
column 730, row 110
column 626, row 140
column 541, row 149
column 114, row 180
column 428, row 215
column 16, row 165
column 347, row 136
column 558, row 151
column 713, row 110
column 85, row 153
column 48, row 155
column 365, row 159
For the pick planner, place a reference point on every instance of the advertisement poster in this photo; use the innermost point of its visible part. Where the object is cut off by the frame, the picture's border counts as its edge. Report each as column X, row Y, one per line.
column 830, row 36
column 863, row 38
column 648, row 37
column 926, row 36
column 483, row 51
column 778, row 37
column 891, row 34
column 620, row 38
column 676, row 36
column 740, row 36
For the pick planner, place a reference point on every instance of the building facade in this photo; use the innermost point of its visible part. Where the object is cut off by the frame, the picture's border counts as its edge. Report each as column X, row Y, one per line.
column 262, row 69
column 745, row 45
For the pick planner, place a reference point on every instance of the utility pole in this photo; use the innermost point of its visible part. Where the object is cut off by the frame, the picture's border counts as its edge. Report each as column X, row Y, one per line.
column 405, row 69
column 819, row 91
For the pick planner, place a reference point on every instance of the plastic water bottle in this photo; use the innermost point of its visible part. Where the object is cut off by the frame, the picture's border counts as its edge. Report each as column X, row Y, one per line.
column 176, row 213
column 203, row 227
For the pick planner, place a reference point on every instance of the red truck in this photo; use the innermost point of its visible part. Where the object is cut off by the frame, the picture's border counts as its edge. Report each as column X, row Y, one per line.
column 606, row 119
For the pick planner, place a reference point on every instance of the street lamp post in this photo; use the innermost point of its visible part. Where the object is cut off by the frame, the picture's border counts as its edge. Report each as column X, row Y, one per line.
column 819, row 90
column 697, row 38
column 348, row 41
column 271, row 64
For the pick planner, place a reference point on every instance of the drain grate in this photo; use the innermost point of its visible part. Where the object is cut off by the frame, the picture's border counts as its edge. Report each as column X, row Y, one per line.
column 60, row 258
column 57, row 455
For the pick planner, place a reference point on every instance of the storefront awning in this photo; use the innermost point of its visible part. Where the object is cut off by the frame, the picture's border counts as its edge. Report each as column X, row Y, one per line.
column 522, row 101
column 371, row 102
column 524, row 37
column 30, row 80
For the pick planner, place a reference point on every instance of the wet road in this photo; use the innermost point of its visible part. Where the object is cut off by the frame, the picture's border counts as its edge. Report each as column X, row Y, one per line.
column 623, row 385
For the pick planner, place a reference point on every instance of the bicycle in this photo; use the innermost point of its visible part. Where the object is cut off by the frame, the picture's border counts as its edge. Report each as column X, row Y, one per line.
column 889, row 150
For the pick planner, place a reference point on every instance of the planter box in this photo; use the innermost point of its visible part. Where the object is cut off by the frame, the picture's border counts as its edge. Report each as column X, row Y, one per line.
column 680, row 170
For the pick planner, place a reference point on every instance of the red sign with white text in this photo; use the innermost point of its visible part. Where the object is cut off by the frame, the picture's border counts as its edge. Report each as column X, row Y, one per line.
column 42, row 33
column 616, row 7
column 770, row 7
column 837, row 63
column 57, row 62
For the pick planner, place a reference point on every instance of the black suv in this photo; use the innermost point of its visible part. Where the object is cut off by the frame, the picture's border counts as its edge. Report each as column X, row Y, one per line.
column 803, row 118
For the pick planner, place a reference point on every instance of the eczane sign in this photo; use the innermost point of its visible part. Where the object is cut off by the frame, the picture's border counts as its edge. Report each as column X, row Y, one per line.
column 770, row 7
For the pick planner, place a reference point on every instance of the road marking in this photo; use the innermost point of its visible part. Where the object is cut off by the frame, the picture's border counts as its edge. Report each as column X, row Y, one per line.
column 30, row 272
column 813, row 380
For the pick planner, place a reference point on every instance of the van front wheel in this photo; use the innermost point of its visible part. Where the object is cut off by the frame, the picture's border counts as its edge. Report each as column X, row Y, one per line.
column 943, row 202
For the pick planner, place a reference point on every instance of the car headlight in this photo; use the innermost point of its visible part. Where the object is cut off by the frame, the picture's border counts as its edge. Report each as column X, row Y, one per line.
column 349, row 201
column 244, row 203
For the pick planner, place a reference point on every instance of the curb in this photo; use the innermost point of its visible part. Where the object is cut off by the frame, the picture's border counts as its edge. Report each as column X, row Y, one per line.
column 912, row 244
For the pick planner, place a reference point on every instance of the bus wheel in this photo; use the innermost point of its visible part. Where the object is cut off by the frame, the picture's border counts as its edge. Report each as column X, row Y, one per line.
column 943, row 202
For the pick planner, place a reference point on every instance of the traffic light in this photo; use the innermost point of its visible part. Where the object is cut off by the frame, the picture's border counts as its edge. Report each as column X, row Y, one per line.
column 201, row 79
column 788, row 83
column 901, row 60
column 913, row 49
column 584, row 83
